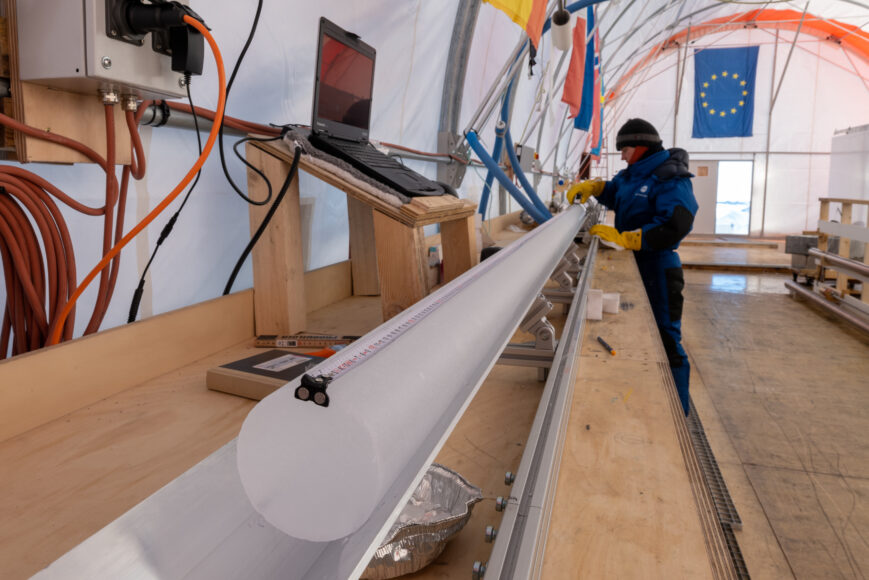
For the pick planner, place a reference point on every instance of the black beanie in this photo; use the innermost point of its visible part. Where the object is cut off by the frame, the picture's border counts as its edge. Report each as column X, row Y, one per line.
column 637, row 132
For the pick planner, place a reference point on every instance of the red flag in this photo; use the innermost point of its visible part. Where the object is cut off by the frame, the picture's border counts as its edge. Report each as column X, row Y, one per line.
column 572, row 94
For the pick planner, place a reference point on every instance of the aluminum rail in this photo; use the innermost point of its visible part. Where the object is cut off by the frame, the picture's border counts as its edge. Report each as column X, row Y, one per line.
column 521, row 539
column 833, row 307
column 202, row 524
column 853, row 266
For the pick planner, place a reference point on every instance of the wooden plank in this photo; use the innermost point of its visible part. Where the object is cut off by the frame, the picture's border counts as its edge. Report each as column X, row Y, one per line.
column 79, row 117
column 844, row 249
column 825, row 200
column 327, row 285
column 459, row 246
column 278, row 259
column 413, row 217
column 76, row 474
column 402, row 276
column 627, row 502
column 43, row 385
column 363, row 256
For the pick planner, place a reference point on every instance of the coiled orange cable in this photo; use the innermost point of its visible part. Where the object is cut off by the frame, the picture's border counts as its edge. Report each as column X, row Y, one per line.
column 55, row 335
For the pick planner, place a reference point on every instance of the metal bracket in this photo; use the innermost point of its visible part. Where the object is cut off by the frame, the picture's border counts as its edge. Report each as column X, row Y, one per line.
column 452, row 173
column 541, row 352
column 565, row 274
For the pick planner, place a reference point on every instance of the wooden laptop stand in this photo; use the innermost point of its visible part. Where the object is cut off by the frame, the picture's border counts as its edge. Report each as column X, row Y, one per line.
column 387, row 247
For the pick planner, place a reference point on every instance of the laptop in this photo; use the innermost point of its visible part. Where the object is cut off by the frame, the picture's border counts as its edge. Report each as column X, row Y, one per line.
column 343, row 85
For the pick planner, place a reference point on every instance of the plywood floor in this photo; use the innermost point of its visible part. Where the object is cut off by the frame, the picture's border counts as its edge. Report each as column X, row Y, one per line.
column 783, row 392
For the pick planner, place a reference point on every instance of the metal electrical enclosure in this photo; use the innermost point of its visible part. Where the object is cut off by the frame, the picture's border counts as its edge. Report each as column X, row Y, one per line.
column 63, row 44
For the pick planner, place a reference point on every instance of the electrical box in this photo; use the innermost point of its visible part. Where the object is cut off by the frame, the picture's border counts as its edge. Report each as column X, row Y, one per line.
column 65, row 44
column 527, row 158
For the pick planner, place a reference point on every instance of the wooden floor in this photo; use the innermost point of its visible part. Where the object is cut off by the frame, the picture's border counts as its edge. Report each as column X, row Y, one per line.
column 783, row 393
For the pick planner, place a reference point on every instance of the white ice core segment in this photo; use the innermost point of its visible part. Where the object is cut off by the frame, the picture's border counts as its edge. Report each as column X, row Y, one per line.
column 318, row 473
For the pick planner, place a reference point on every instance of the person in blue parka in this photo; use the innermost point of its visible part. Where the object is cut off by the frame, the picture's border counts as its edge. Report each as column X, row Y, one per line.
column 654, row 209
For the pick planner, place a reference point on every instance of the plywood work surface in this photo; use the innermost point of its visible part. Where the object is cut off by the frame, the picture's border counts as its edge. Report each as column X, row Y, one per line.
column 624, row 505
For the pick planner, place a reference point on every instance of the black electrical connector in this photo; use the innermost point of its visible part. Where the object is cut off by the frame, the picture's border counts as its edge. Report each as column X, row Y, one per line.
column 130, row 20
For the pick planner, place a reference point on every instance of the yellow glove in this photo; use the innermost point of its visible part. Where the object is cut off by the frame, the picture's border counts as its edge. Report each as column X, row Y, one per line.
column 585, row 189
column 628, row 240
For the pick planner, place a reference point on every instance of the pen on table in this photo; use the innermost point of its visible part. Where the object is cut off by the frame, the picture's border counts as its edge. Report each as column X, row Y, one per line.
column 606, row 346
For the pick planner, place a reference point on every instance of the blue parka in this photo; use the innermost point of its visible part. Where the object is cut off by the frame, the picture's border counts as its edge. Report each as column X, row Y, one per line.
column 654, row 195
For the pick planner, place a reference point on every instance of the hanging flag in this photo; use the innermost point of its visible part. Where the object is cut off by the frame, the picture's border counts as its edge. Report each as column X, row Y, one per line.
column 597, row 123
column 572, row 93
column 597, row 113
column 724, row 92
column 529, row 14
column 583, row 118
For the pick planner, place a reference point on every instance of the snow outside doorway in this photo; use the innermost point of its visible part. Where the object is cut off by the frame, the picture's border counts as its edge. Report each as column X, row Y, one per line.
column 733, row 198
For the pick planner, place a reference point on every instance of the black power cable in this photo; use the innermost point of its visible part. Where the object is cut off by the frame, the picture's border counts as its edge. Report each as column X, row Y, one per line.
column 167, row 229
column 286, row 185
column 220, row 132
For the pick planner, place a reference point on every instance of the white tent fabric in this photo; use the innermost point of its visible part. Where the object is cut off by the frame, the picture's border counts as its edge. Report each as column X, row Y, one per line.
column 823, row 90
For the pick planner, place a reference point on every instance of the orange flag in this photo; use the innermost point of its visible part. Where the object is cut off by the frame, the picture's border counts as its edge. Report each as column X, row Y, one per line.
column 572, row 93
column 529, row 14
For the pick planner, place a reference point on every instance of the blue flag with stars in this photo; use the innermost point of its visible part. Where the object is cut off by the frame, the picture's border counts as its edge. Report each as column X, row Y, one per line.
column 724, row 92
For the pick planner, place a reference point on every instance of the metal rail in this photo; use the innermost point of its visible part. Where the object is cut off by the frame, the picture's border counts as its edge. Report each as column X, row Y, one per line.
column 518, row 549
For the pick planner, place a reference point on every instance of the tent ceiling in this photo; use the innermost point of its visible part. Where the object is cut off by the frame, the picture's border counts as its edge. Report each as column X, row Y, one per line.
column 631, row 28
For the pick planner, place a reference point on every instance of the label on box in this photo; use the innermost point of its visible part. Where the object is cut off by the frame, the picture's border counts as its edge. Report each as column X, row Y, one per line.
column 281, row 363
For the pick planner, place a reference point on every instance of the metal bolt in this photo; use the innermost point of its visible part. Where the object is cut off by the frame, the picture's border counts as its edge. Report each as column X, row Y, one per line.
column 500, row 504
column 509, row 478
column 491, row 534
column 479, row 570
column 182, row 82
column 303, row 393
column 106, row 62
column 320, row 398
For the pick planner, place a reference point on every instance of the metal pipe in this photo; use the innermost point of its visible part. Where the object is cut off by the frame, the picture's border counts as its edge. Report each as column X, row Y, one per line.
column 854, row 266
column 829, row 306
column 157, row 116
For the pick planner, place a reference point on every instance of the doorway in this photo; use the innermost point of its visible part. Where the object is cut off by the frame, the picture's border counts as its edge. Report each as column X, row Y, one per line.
column 733, row 198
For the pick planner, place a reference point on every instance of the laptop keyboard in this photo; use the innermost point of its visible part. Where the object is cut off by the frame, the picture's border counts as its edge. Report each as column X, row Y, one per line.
column 370, row 160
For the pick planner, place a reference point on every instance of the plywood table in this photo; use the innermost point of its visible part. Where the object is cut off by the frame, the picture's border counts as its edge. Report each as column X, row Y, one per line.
column 387, row 249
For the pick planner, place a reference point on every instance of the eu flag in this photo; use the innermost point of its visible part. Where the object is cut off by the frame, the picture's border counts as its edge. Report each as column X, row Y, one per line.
column 724, row 91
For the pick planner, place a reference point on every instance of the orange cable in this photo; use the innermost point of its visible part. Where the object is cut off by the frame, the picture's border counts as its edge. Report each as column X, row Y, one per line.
column 212, row 137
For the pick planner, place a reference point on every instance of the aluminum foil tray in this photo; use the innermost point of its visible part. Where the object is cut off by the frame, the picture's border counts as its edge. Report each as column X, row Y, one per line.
column 439, row 507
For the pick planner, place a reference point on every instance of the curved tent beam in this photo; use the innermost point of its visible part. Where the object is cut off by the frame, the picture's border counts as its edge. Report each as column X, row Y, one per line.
column 849, row 37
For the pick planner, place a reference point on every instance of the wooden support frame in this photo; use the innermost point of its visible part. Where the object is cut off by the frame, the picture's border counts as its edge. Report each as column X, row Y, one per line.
column 847, row 233
column 278, row 260
column 387, row 246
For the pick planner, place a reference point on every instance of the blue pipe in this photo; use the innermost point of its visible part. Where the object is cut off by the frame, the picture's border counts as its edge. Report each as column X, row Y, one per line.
column 493, row 168
column 499, row 143
column 526, row 185
column 496, row 153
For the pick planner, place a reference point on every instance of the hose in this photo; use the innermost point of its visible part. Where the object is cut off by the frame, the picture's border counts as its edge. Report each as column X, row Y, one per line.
column 55, row 334
column 492, row 166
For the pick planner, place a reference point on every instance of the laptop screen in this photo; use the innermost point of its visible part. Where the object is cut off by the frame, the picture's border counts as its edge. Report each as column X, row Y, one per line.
column 345, row 80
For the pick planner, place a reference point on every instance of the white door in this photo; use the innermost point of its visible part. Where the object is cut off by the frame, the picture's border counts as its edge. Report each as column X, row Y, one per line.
column 705, row 185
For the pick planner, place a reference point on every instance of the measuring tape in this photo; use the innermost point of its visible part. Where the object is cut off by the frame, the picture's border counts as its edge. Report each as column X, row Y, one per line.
column 314, row 384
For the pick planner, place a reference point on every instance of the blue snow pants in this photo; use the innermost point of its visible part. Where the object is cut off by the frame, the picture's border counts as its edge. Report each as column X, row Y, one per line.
column 661, row 272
